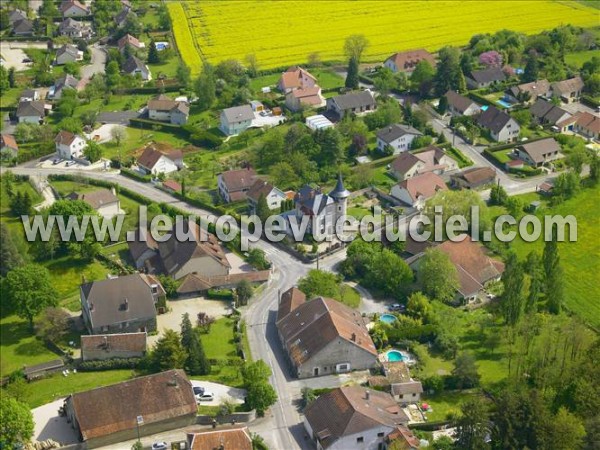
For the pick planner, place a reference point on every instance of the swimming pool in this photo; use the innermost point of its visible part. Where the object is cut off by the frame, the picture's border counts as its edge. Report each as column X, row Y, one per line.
column 504, row 104
column 484, row 107
column 387, row 318
column 394, row 356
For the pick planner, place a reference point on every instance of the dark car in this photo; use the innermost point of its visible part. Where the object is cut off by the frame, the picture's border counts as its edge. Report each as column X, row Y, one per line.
column 27, row 60
column 198, row 390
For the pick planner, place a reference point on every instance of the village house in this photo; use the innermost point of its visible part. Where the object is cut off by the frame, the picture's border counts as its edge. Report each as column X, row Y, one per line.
column 309, row 97
column 567, row 90
column 323, row 336
column 474, row 267
column 172, row 186
column 415, row 191
column 194, row 284
column 273, row 196
column 160, row 158
column 164, row 109
column 110, row 346
column 69, row 145
column 236, row 119
column 234, row 438
column 112, row 414
column 296, row 78
column 353, row 418
column 66, row 54
column 407, row 392
column 63, row 83
column 8, row 146
column 473, row 178
column 31, row 112
column 352, row 103
column 528, row 93
column 588, row 125
column 22, row 27
column 539, row 153
column 74, row 29
column 544, row 112
column 397, row 136
column 431, row 159
column 74, row 8
column 131, row 41
column 323, row 210
column 479, row 79
column 459, row 105
column 407, row 61
column 188, row 249
column 234, row 184
column 123, row 304
column 501, row 126
column 135, row 66
column 104, row 201
column 122, row 17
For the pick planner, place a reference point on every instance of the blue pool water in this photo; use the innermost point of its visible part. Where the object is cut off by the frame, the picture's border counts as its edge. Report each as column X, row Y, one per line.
column 387, row 318
column 503, row 103
column 484, row 107
column 394, row 355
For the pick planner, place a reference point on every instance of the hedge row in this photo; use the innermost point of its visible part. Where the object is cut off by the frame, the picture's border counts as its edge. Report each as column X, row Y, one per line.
column 590, row 101
column 220, row 294
column 109, row 364
column 150, row 90
column 161, row 126
column 136, row 175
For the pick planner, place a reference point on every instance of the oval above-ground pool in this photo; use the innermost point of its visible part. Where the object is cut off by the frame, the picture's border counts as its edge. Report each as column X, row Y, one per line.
column 387, row 318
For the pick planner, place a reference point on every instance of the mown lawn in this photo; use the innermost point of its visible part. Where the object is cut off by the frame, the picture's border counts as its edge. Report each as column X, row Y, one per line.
column 581, row 259
column 68, row 272
column 18, row 346
column 577, row 59
column 56, row 386
column 349, row 296
column 327, row 79
column 446, row 404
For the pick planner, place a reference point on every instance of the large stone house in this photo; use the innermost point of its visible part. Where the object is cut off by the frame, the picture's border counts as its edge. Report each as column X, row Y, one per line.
column 167, row 110
column 540, row 152
column 69, row 145
column 322, row 210
column 459, row 105
column 474, row 267
column 432, row 159
column 479, row 79
column 110, row 346
column 236, row 119
column 397, row 136
column 120, row 305
column 501, row 126
column 146, row 405
column 408, row 60
column 415, row 191
column 353, row 418
column 323, row 337
column 359, row 102
column 188, row 249
column 234, row 184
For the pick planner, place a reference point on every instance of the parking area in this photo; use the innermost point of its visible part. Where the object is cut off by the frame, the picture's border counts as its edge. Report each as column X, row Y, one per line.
column 73, row 165
column 268, row 120
column 103, row 133
column 13, row 54
column 49, row 425
column 221, row 393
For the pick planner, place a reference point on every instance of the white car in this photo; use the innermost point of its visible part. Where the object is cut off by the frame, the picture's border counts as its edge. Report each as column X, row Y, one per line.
column 206, row 397
column 159, row 446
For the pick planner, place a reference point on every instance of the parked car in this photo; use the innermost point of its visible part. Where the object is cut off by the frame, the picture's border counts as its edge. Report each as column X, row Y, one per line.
column 198, row 390
column 205, row 397
column 159, row 446
column 70, row 163
column 56, row 161
column 396, row 307
column 26, row 60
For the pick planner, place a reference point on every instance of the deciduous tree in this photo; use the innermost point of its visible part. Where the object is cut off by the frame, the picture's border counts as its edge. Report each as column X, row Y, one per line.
column 16, row 423
column 438, row 276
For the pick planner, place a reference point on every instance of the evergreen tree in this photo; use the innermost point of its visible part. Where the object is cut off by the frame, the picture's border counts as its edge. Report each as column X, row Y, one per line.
column 532, row 69
column 11, row 77
column 243, row 291
column 448, row 68
column 595, row 168
column 498, row 195
column 554, row 276
column 473, row 425
column 352, row 75
column 153, row 56
column 262, row 207
column 533, row 267
column 168, row 353
column 196, row 362
column 10, row 257
column 461, row 83
column 512, row 299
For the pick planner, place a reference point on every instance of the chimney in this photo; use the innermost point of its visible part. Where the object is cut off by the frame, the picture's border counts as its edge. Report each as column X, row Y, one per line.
column 353, row 337
column 367, row 395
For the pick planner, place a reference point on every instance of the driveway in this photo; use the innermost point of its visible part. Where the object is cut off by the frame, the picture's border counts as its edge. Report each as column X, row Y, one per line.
column 117, row 117
column 266, row 121
column 49, row 425
column 97, row 63
column 238, row 265
column 13, row 57
column 221, row 392
column 103, row 132
column 192, row 306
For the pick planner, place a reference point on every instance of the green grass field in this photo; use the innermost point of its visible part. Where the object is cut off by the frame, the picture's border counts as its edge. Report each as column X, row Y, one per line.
column 577, row 59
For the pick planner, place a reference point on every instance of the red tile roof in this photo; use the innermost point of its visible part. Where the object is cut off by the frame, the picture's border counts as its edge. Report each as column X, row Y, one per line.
column 425, row 185
column 407, row 61
column 8, row 140
column 222, row 439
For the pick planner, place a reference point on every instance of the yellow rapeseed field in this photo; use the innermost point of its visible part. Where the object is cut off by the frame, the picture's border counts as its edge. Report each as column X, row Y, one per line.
column 281, row 33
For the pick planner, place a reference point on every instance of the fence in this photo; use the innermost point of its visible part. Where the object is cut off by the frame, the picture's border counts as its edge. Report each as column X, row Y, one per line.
column 238, row 417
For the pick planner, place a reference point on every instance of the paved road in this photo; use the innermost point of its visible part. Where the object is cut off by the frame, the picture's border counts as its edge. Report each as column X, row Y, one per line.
column 97, row 62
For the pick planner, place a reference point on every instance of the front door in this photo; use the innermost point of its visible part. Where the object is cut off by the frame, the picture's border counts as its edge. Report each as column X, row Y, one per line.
column 316, row 372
